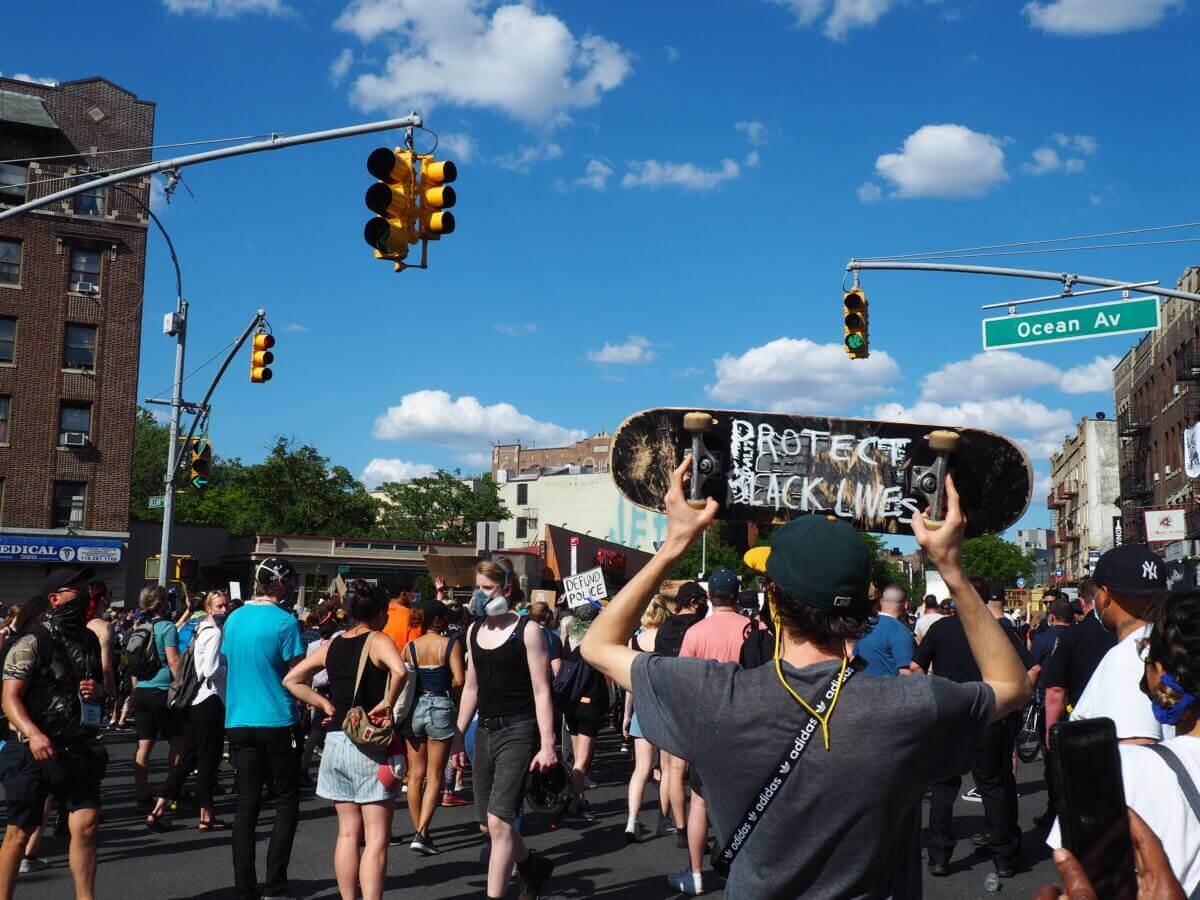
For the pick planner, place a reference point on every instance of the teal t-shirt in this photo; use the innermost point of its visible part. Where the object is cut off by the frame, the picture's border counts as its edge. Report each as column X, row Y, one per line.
column 258, row 642
column 165, row 636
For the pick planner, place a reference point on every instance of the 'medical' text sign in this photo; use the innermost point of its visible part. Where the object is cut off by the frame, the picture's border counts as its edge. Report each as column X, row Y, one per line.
column 1096, row 320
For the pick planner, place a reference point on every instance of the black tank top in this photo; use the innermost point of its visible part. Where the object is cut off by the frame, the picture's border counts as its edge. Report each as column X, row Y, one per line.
column 503, row 675
column 341, row 662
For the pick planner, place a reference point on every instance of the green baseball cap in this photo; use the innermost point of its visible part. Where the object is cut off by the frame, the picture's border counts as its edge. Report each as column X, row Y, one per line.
column 821, row 561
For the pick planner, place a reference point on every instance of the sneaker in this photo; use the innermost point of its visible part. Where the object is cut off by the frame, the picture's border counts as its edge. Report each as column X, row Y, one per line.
column 423, row 845
column 687, row 882
column 450, row 798
column 625, row 748
column 32, row 864
column 665, row 827
column 584, row 811
column 634, row 833
column 973, row 796
column 588, row 784
column 533, row 873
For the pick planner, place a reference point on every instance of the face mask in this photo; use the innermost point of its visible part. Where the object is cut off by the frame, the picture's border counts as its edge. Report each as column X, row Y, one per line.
column 69, row 616
column 1170, row 715
column 497, row 606
column 478, row 605
column 220, row 618
column 1096, row 612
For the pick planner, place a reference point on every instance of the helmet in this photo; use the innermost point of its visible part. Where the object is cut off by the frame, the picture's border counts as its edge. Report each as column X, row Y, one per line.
column 272, row 569
column 548, row 791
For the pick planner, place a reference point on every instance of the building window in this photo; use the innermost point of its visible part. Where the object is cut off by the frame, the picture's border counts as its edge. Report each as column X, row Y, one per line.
column 10, row 262
column 69, row 499
column 79, row 347
column 90, row 202
column 522, row 527
column 12, row 183
column 8, row 339
column 75, row 424
column 5, row 403
column 85, row 271
column 522, row 494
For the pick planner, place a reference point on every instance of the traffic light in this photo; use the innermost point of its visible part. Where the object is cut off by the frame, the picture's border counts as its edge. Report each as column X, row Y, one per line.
column 261, row 357
column 392, row 199
column 187, row 568
column 435, row 197
column 855, row 319
column 201, row 451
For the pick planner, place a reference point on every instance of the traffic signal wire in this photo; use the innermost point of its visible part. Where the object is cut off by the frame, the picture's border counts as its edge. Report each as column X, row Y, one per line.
column 204, row 365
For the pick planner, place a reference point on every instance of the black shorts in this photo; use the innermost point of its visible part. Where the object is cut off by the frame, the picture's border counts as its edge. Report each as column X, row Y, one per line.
column 155, row 721
column 73, row 776
column 586, row 717
column 500, row 767
column 694, row 781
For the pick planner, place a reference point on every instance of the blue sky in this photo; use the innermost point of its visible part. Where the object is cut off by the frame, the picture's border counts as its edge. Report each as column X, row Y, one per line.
column 656, row 205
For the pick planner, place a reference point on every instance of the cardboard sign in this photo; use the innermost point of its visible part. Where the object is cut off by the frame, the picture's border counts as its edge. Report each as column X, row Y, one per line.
column 542, row 596
column 235, row 590
column 585, row 587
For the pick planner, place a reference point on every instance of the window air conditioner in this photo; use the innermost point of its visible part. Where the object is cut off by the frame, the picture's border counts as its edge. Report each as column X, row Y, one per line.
column 85, row 287
column 75, row 439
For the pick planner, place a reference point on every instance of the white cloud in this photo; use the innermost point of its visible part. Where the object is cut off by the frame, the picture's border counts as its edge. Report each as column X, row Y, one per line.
column 869, row 192
column 800, row 375
column 755, row 131
column 380, row 470
column 158, row 193
column 843, row 15
column 672, row 54
column 296, row 328
column 464, row 424
column 596, row 175
column 944, row 161
column 654, row 174
column 1047, row 160
column 1014, row 414
column 33, row 79
column 227, row 9
column 1078, row 18
column 513, row 329
column 634, row 352
column 997, row 373
column 462, row 146
column 340, row 66
column 522, row 159
column 1041, row 486
column 689, row 372
column 1080, row 143
column 522, row 62
column 752, row 159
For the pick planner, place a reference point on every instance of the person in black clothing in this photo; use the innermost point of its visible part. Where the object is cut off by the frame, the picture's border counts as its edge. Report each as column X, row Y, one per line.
column 51, row 697
column 946, row 653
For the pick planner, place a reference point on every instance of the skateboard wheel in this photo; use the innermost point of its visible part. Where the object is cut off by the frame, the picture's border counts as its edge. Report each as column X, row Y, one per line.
column 697, row 421
column 933, row 524
column 943, row 440
column 697, row 504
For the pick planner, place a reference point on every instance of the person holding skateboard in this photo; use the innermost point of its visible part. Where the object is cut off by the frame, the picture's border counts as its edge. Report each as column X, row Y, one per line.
column 859, row 741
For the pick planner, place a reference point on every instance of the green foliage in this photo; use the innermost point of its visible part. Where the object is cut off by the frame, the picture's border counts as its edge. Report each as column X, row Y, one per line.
column 719, row 554
column 883, row 570
column 990, row 556
column 440, row 507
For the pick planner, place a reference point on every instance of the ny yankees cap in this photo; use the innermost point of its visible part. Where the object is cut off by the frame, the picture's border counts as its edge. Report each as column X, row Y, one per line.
column 1131, row 569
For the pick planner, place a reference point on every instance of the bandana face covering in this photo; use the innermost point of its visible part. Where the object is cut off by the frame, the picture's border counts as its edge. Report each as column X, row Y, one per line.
column 1170, row 715
column 70, row 616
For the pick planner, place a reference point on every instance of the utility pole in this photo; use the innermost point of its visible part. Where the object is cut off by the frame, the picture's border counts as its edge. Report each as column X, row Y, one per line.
column 177, row 321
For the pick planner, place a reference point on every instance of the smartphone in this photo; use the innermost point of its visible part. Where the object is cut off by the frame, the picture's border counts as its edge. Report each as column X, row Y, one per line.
column 1091, row 804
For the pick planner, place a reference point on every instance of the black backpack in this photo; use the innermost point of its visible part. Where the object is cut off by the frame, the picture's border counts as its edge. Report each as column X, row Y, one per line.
column 140, row 657
column 670, row 634
column 572, row 681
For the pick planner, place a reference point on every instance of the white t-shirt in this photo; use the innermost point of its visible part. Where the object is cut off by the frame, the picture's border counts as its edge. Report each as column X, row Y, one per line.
column 1153, row 792
column 924, row 622
column 1115, row 692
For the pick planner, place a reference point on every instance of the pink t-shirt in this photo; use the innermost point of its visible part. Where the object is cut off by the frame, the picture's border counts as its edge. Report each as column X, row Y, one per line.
column 718, row 637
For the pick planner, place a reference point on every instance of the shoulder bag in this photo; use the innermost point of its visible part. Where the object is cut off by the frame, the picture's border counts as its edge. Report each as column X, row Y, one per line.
column 361, row 731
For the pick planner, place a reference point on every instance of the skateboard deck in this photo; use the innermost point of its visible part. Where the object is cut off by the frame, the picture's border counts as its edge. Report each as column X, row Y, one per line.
column 772, row 467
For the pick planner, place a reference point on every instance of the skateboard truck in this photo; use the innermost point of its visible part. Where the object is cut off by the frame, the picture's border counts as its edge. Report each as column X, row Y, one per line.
column 930, row 481
column 704, row 463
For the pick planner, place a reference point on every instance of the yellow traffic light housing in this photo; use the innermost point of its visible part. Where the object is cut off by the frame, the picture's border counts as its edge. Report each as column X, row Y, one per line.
column 187, row 568
column 201, row 453
column 392, row 199
column 436, row 197
column 261, row 357
column 855, row 320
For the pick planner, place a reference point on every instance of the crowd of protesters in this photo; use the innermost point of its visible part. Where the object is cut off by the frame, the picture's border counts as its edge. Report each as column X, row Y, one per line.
column 878, row 702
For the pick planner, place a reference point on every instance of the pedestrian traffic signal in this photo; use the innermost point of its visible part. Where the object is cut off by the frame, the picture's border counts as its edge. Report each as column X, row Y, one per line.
column 392, row 199
column 854, row 313
column 187, row 568
column 435, row 197
column 201, row 453
column 261, row 357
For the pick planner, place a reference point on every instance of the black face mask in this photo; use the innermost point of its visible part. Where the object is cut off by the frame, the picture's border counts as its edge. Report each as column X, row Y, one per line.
column 220, row 618
column 69, row 616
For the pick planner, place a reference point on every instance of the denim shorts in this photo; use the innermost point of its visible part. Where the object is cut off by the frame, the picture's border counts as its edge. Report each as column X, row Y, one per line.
column 432, row 717
column 500, row 766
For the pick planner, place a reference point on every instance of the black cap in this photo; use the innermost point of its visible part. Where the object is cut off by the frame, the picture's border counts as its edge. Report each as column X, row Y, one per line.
column 724, row 582
column 273, row 569
column 1131, row 569
column 822, row 562
column 689, row 591
column 62, row 578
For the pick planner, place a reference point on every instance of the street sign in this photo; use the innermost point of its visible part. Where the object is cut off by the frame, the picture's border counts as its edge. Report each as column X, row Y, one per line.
column 1073, row 324
column 156, row 502
column 1058, row 573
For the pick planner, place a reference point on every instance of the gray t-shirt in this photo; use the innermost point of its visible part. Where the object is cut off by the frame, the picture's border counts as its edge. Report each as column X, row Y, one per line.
column 831, row 831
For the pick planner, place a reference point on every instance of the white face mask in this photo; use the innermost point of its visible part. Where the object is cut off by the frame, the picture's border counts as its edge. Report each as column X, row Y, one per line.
column 497, row 606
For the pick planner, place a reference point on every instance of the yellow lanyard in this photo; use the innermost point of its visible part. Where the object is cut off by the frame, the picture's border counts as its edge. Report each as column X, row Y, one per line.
column 822, row 720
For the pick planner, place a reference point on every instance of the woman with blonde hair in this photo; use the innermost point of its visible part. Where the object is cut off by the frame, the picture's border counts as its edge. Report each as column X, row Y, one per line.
column 669, row 808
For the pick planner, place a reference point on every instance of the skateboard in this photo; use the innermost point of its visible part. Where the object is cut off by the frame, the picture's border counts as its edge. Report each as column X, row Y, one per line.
column 772, row 467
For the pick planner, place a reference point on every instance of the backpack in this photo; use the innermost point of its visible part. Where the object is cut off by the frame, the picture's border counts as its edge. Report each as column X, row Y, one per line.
column 186, row 685
column 572, row 681
column 670, row 634
column 140, row 656
column 186, row 633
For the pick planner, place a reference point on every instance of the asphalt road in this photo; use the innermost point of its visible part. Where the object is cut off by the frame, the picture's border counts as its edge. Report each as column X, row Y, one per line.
column 592, row 860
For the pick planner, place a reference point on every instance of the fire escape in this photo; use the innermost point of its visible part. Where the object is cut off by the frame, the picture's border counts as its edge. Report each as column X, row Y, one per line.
column 1133, row 428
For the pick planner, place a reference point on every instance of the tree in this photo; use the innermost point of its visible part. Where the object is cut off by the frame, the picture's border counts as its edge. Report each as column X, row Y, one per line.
column 883, row 570
column 718, row 554
column 440, row 507
column 991, row 557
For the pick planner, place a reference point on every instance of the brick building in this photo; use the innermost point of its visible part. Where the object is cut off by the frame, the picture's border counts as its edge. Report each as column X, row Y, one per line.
column 71, row 281
column 592, row 454
column 1156, row 388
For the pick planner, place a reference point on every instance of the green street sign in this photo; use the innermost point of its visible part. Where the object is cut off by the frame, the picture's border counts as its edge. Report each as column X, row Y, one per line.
column 158, row 502
column 1076, row 323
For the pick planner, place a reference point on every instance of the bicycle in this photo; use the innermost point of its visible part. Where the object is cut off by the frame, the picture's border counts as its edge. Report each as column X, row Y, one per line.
column 1031, row 739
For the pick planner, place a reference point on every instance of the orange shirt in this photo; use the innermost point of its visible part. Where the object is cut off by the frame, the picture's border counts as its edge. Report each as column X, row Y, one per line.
column 398, row 627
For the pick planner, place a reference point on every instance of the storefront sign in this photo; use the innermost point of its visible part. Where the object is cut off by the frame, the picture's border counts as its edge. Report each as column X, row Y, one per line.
column 1118, row 531
column 35, row 548
column 1165, row 525
column 611, row 561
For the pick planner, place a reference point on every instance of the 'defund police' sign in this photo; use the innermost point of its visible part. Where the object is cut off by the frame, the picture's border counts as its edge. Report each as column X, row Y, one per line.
column 36, row 548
